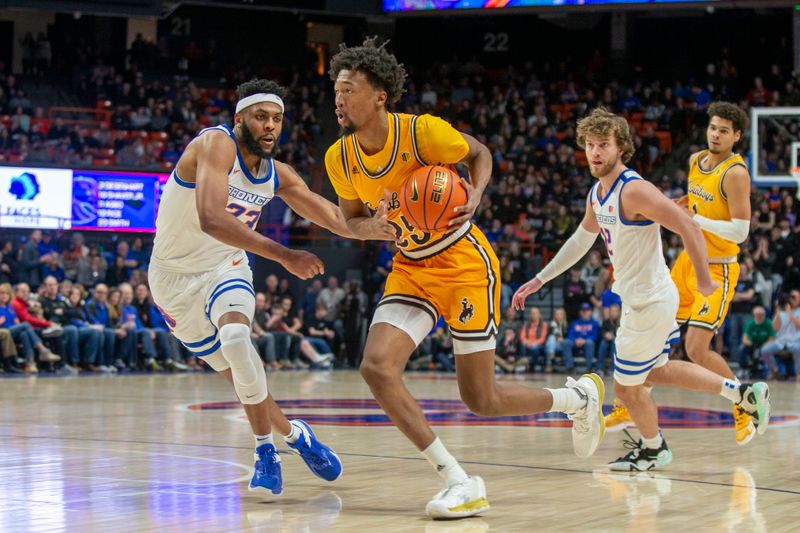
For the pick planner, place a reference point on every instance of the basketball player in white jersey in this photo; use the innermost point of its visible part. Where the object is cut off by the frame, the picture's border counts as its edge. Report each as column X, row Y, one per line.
column 200, row 276
column 628, row 212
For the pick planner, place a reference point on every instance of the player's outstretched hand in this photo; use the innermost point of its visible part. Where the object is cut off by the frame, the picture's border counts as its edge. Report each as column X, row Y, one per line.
column 707, row 289
column 531, row 287
column 468, row 209
column 380, row 227
column 302, row 264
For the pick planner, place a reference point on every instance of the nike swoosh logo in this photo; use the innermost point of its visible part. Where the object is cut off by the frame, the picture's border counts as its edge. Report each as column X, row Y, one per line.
column 235, row 305
column 250, row 396
column 414, row 192
column 238, row 261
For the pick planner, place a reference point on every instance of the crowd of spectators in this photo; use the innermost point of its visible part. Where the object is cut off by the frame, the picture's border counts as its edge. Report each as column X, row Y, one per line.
column 143, row 121
column 526, row 116
column 73, row 306
column 524, row 113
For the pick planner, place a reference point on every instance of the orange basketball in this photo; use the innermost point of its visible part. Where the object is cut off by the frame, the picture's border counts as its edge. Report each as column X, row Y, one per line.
column 429, row 196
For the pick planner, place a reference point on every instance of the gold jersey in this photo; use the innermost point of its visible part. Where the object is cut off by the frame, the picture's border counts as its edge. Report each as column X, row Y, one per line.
column 706, row 198
column 413, row 142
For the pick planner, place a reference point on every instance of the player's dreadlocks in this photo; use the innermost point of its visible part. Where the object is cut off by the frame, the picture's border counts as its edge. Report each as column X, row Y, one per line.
column 376, row 63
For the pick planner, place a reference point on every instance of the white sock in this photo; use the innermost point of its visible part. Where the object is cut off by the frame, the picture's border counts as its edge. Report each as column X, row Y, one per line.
column 654, row 443
column 445, row 464
column 730, row 390
column 264, row 439
column 292, row 437
column 566, row 401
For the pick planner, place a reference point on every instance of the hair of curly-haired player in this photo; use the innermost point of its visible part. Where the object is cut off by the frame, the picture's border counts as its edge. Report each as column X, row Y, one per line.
column 376, row 63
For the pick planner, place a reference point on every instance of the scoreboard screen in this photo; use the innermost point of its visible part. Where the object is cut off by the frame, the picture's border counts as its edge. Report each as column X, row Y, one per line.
column 431, row 5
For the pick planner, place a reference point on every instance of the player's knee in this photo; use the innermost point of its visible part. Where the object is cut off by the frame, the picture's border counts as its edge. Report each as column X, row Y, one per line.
column 249, row 378
column 697, row 348
column 628, row 394
column 483, row 403
column 374, row 371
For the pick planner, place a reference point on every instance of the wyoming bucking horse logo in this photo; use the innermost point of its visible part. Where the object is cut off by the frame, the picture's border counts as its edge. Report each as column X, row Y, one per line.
column 467, row 310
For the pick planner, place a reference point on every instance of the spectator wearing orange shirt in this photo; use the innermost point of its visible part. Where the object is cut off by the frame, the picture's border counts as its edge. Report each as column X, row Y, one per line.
column 533, row 335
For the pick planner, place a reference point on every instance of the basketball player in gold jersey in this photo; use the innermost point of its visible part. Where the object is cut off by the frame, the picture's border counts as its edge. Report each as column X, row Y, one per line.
column 453, row 273
column 719, row 200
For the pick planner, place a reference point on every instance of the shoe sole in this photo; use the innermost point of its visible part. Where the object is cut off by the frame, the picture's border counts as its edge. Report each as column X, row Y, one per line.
column 618, row 427
column 751, row 430
column 470, row 508
column 761, row 392
column 750, row 435
column 341, row 471
column 633, row 468
column 265, row 490
column 601, row 394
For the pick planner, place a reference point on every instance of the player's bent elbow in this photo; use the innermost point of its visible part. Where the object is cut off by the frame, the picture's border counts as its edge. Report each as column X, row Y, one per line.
column 208, row 224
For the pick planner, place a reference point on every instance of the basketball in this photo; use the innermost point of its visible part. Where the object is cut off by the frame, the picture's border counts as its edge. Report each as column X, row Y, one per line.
column 429, row 197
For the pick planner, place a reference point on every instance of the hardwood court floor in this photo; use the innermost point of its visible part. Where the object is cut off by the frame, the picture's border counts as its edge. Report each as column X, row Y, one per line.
column 172, row 453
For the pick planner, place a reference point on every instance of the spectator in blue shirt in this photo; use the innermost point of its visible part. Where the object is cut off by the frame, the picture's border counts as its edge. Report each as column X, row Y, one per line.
column 152, row 320
column 139, row 253
column 129, row 321
column 51, row 267
column 309, row 299
column 75, row 315
column 121, row 263
column 47, row 244
column 630, row 102
column 583, row 334
column 609, row 298
column 98, row 314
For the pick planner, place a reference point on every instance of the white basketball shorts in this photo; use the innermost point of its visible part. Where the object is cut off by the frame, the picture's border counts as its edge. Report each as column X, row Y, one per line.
column 193, row 303
column 644, row 338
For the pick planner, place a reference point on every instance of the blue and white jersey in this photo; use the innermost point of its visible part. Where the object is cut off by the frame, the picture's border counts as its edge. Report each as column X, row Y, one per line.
column 180, row 245
column 634, row 246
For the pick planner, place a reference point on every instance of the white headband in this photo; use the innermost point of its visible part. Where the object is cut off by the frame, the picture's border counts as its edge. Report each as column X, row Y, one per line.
column 257, row 99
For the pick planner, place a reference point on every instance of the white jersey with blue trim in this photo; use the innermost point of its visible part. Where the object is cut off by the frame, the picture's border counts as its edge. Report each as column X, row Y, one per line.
column 634, row 246
column 180, row 244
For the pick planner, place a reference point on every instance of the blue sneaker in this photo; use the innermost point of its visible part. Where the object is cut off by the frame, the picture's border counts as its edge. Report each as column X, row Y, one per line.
column 319, row 458
column 268, row 470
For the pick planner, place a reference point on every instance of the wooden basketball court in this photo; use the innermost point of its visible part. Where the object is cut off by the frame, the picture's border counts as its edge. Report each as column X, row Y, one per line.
column 173, row 453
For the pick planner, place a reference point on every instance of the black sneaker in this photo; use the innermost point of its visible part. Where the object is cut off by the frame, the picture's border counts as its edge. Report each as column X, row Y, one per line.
column 640, row 459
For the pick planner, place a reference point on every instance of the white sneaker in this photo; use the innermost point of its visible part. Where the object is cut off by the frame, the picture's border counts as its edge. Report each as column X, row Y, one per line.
column 463, row 499
column 175, row 366
column 588, row 423
column 69, row 370
column 53, row 330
